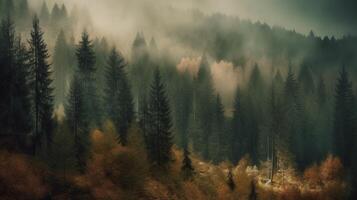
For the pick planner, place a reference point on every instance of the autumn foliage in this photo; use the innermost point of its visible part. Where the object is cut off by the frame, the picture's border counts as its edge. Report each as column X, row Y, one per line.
column 19, row 176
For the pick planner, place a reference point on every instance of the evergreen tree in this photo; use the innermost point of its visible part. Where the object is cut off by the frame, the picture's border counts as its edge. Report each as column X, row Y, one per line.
column 239, row 139
column 41, row 87
column 86, row 65
column 55, row 14
column 15, row 104
column 44, row 13
column 217, row 142
column 61, row 65
column 118, row 96
column 295, row 135
column 306, row 80
column 102, row 53
column 159, row 136
column 321, row 91
column 253, row 104
column 344, row 119
column 77, row 120
column 276, row 128
column 203, row 108
column 23, row 11
column 182, row 107
column 230, row 182
column 187, row 168
column 140, row 70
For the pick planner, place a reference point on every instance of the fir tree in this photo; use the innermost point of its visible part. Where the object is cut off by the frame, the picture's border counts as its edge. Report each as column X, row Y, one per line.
column 187, row 168
column 344, row 119
column 203, row 108
column 217, row 139
column 15, row 104
column 306, row 80
column 77, row 120
column 55, row 14
column 159, row 136
column 44, row 13
column 61, row 67
column 295, row 133
column 118, row 96
column 23, row 11
column 321, row 91
column 86, row 65
column 238, row 141
column 41, row 87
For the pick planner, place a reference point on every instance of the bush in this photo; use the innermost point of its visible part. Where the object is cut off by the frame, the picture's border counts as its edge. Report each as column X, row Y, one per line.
column 114, row 171
column 19, row 179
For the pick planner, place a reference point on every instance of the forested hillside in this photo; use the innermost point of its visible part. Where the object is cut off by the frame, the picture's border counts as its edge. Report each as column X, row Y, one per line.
column 197, row 106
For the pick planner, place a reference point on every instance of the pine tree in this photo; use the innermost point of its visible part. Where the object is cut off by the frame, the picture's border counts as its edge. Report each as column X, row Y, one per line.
column 187, row 168
column 15, row 104
column 344, row 119
column 182, row 107
column 77, row 120
column 306, row 80
column 239, row 139
column 203, row 108
column 23, row 11
column 295, row 133
column 86, row 65
column 118, row 96
column 55, row 14
column 159, row 136
column 276, row 129
column 44, row 13
column 61, row 67
column 41, row 87
column 321, row 92
column 230, row 181
column 254, row 112
column 217, row 142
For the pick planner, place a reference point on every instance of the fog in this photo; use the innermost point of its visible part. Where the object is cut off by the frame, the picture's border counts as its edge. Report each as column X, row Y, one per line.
column 120, row 17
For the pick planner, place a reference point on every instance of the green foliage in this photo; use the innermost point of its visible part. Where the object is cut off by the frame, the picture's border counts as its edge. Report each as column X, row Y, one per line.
column 187, row 168
column 159, row 135
column 86, row 75
column 78, row 122
column 15, row 104
column 118, row 99
column 344, row 119
column 41, row 87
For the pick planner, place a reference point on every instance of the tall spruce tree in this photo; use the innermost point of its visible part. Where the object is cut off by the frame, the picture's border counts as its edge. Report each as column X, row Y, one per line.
column 61, row 67
column 15, row 104
column 187, row 168
column 344, row 119
column 159, row 136
column 218, row 146
column 77, row 120
column 295, row 135
column 306, row 80
column 239, row 139
column 41, row 87
column 44, row 13
column 118, row 99
column 86, row 66
column 203, row 108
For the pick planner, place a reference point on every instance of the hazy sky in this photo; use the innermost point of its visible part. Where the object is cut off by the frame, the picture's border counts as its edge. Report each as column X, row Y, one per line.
column 325, row 17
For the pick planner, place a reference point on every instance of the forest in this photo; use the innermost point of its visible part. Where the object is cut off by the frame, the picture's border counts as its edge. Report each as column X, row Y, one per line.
column 143, row 100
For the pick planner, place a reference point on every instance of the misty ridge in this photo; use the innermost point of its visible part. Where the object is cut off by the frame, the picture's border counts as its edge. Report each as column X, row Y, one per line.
column 145, row 99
